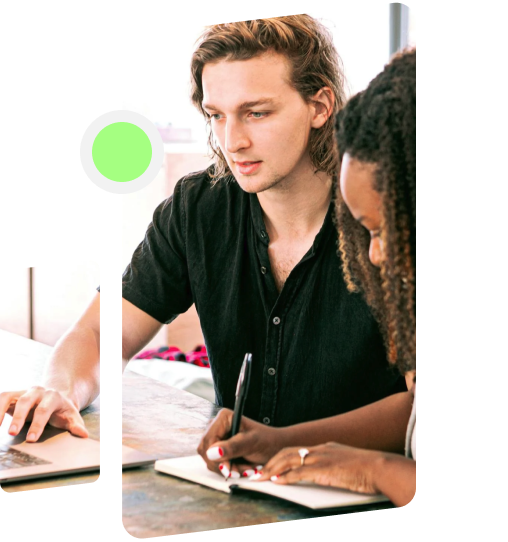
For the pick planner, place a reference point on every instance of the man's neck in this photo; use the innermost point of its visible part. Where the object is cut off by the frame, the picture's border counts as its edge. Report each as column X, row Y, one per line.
column 297, row 208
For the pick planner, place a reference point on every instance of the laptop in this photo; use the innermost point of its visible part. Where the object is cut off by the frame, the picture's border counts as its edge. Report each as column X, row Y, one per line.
column 56, row 453
column 134, row 458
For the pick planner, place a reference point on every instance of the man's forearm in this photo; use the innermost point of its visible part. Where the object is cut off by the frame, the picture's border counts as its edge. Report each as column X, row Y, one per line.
column 379, row 426
column 73, row 367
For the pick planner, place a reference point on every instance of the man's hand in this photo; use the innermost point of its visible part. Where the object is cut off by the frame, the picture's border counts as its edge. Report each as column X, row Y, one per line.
column 41, row 406
column 252, row 446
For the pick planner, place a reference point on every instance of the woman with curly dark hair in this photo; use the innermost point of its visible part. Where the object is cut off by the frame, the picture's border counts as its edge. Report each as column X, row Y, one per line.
column 375, row 204
column 376, row 136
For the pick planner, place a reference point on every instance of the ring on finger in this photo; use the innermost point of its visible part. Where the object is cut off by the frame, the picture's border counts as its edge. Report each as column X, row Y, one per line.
column 303, row 453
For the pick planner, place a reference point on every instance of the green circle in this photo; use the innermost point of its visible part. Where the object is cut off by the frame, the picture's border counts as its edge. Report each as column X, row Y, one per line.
column 122, row 152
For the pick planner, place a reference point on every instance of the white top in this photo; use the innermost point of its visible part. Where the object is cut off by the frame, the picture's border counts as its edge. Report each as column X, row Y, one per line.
column 411, row 432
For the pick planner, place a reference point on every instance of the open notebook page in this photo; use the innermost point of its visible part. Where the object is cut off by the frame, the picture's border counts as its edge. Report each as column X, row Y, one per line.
column 194, row 469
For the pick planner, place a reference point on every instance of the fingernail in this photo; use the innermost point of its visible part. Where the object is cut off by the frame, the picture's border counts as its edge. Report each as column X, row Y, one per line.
column 256, row 476
column 235, row 474
column 13, row 428
column 274, row 478
column 259, row 467
column 30, row 437
column 249, row 472
column 224, row 470
column 214, row 453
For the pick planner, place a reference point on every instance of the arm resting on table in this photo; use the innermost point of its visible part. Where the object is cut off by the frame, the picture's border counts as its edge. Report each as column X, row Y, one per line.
column 379, row 426
column 395, row 477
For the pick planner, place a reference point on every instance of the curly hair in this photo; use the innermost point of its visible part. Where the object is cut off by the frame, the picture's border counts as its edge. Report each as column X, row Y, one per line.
column 314, row 64
column 378, row 126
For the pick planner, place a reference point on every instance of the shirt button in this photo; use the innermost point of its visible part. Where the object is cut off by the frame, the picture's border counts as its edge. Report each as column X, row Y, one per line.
column 266, row 421
column 263, row 270
column 271, row 371
column 276, row 320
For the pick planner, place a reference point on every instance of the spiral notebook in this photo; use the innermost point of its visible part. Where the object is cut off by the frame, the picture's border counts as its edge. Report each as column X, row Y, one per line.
column 194, row 469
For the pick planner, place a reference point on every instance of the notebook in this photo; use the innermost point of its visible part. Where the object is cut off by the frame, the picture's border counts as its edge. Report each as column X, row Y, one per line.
column 56, row 453
column 194, row 469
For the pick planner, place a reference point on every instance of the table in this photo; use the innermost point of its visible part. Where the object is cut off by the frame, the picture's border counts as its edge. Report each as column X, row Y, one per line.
column 21, row 366
column 167, row 422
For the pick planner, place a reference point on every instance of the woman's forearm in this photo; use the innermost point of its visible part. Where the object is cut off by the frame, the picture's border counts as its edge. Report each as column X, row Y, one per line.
column 73, row 367
column 395, row 477
column 379, row 426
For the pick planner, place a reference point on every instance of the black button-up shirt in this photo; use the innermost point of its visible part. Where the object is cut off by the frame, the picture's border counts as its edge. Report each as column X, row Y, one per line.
column 316, row 349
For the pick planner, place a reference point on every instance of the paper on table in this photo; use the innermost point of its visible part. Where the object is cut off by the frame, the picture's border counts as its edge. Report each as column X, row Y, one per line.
column 194, row 469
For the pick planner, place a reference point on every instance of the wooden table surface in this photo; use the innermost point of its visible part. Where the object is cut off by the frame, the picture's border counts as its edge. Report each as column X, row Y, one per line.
column 167, row 422
column 21, row 366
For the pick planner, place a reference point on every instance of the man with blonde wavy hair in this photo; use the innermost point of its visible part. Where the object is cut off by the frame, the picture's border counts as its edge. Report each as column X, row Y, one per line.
column 251, row 240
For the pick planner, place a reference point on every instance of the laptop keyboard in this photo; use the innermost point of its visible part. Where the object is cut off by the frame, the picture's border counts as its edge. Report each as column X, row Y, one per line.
column 14, row 459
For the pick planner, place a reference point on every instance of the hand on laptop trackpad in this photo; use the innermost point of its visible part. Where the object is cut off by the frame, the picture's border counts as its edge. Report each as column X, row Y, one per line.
column 48, row 433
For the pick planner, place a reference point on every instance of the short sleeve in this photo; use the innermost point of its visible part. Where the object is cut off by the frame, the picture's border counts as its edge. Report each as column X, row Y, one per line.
column 157, row 278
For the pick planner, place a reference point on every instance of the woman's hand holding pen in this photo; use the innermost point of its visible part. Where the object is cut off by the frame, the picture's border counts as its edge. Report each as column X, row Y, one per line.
column 254, row 444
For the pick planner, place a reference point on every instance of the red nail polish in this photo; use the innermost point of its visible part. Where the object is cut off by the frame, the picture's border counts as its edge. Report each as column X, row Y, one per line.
column 221, row 452
column 221, row 467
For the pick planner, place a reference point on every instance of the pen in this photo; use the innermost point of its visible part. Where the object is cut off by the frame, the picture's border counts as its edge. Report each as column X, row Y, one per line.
column 241, row 393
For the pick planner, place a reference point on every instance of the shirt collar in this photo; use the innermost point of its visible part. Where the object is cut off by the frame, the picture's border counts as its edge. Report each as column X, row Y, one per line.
column 257, row 219
column 260, row 228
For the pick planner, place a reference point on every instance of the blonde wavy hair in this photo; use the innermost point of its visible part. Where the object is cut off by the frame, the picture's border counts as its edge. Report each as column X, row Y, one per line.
column 315, row 64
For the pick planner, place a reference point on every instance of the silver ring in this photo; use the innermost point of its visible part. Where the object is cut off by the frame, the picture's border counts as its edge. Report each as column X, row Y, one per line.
column 303, row 453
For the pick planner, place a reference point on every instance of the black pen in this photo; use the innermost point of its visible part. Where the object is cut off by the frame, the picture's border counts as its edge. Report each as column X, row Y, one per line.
column 241, row 394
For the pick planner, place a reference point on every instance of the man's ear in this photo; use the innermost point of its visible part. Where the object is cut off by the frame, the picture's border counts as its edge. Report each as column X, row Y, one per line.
column 323, row 102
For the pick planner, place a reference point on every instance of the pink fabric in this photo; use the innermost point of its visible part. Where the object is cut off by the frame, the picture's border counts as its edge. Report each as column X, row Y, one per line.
column 198, row 356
